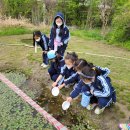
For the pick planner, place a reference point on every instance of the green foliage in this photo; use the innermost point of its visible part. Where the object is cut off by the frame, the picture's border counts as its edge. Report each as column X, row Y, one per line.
column 15, row 113
column 17, row 8
column 77, row 12
column 120, row 32
column 13, row 31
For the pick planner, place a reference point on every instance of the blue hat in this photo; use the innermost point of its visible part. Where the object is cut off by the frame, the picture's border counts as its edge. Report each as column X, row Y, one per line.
column 51, row 54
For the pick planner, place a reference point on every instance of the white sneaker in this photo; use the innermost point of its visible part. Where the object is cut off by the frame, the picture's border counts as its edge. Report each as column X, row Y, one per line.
column 44, row 65
column 91, row 106
column 98, row 110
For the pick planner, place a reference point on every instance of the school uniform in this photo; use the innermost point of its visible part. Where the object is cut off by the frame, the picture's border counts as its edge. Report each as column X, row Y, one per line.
column 54, row 35
column 44, row 41
column 66, row 73
column 55, row 69
column 88, row 98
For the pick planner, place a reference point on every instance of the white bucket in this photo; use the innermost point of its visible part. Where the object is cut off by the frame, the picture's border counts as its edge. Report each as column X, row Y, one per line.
column 55, row 91
column 65, row 105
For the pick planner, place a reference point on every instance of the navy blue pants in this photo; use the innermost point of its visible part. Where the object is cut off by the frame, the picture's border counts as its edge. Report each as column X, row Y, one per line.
column 53, row 74
column 106, row 101
column 45, row 58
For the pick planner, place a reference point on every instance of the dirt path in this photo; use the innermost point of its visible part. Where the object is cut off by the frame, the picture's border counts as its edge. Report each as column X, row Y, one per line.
column 23, row 59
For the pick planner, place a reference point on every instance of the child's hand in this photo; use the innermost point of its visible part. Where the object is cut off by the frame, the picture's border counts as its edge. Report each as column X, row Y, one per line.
column 54, row 84
column 61, row 43
column 45, row 52
column 91, row 91
column 61, row 86
column 69, row 99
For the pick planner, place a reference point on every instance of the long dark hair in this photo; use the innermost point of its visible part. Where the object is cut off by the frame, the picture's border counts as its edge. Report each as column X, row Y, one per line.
column 61, row 27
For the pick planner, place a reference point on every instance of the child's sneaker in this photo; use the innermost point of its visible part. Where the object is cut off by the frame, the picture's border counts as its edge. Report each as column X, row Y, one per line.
column 124, row 126
column 91, row 106
column 98, row 110
column 44, row 65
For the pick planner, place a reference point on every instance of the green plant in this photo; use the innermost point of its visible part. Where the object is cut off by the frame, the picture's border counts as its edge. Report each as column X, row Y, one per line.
column 14, row 112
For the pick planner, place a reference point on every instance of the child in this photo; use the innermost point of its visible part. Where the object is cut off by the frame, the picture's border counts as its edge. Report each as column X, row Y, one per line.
column 59, row 35
column 99, row 85
column 67, row 70
column 56, row 63
column 79, row 64
column 42, row 40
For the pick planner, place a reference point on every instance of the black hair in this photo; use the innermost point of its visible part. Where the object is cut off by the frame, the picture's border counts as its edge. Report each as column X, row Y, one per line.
column 61, row 27
column 58, row 58
column 87, row 73
column 36, row 33
column 80, row 63
column 72, row 56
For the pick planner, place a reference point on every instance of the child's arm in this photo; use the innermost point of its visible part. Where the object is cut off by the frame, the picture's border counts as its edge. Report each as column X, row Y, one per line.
column 66, row 37
column 45, row 40
column 75, row 92
column 56, row 82
column 105, row 71
column 73, row 78
column 62, row 73
column 106, row 88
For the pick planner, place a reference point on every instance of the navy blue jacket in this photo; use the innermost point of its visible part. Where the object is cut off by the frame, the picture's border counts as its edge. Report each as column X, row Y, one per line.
column 56, row 66
column 66, row 73
column 65, row 34
column 76, row 78
column 44, row 42
column 82, row 87
column 102, row 87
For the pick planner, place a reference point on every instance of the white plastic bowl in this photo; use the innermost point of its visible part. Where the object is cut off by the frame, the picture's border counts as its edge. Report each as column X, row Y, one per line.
column 65, row 105
column 55, row 91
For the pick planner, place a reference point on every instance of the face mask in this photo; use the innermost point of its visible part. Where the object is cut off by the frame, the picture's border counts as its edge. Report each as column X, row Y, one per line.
column 69, row 67
column 58, row 24
column 38, row 40
column 87, row 83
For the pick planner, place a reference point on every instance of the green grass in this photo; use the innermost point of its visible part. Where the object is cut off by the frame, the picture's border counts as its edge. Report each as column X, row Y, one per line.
column 15, row 113
column 14, row 30
column 93, row 34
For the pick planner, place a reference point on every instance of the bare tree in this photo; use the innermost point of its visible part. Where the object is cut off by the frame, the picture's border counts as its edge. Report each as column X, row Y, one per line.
column 105, row 10
column 50, row 10
column 1, row 7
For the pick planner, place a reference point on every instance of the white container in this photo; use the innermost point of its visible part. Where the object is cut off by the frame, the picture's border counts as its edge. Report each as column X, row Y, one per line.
column 55, row 91
column 65, row 105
